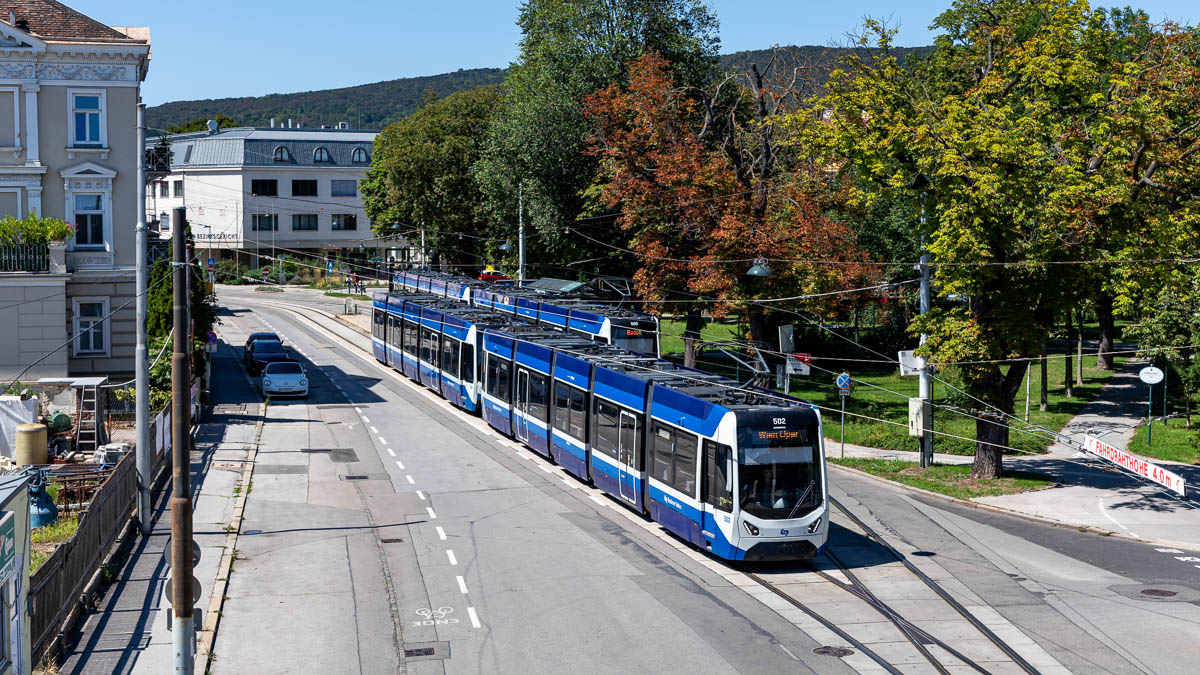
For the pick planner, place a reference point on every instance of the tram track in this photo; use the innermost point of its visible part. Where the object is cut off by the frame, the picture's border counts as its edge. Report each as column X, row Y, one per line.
column 919, row 638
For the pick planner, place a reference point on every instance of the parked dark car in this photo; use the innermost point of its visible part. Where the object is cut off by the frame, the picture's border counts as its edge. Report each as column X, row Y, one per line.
column 260, row 336
column 262, row 352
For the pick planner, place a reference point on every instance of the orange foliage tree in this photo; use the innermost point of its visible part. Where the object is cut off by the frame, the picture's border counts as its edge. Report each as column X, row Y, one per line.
column 700, row 186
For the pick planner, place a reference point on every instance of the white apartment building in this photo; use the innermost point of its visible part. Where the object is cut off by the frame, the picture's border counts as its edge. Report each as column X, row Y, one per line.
column 281, row 190
column 69, row 87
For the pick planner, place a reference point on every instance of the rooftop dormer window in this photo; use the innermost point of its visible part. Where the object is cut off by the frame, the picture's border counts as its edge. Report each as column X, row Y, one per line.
column 359, row 156
column 282, row 154
column 321, row 155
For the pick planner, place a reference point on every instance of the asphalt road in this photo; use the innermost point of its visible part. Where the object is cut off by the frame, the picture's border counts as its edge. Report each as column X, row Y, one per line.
column 538, row 577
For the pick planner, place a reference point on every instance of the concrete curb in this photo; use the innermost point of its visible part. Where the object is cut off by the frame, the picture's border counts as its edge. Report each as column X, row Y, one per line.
column 207, row 635
column 351, row 324
column 1006, row 512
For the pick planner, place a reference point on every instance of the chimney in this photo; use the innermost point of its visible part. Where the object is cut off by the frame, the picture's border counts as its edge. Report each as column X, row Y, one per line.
column 289, row 123
column 12, row 18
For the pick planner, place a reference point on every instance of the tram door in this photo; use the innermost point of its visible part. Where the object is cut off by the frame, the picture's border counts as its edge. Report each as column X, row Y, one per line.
column 626, row 447
column 521, row 405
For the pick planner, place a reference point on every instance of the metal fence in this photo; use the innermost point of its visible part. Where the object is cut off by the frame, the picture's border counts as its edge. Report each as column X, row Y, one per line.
column 55, row 588
column 25, row 258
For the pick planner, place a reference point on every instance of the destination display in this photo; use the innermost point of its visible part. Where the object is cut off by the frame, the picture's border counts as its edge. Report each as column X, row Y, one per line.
column 779, row 434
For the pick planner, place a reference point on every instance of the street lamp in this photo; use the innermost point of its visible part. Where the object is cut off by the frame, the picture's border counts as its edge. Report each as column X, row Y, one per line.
column 506, row 247
column 760, row 268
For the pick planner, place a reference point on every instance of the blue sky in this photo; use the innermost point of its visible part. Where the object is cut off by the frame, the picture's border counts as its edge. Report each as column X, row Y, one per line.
column 218, row 48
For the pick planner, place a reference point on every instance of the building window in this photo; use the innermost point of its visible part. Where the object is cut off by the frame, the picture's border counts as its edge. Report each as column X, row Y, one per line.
column 87, row 119
column 304, row 221
column 343, row 188
column 164, row 189
column 321, row 155
column 282, row 154
column 304, row 188
column 359, row 156
column 345, row 221
column 91, row 330
column 264, row 222
column 178, row 189
column 89, row 221
column 264, row 188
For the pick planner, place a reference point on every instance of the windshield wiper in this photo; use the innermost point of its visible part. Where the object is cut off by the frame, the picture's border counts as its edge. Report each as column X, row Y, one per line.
column 803, row 499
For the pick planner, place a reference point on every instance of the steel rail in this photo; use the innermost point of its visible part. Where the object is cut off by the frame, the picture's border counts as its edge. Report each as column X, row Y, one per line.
column 941, row 592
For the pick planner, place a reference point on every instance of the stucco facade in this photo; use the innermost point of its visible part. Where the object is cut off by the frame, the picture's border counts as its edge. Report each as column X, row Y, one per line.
column 69, row 88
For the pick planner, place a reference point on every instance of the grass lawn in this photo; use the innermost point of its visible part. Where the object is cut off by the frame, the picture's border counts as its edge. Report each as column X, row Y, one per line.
column 1171, row 442
column 46, row 539
column 819, row 389
column 951, row 480
column 671, row 339
column 353, row 296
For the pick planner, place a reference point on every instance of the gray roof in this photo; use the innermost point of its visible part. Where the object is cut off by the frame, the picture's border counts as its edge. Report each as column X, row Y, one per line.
column 244, row 146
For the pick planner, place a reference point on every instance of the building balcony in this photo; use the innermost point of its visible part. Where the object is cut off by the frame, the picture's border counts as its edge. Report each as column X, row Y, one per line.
column 32, row 258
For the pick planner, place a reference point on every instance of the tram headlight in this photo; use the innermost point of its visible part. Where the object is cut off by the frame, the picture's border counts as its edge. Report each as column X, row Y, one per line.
column 750, row 528
column 816, row 525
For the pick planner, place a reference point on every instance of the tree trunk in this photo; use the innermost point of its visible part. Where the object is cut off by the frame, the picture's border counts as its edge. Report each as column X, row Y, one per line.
column 1104, row 314
column 1068, row 385
column 1079, row 350
column 691, row 338
column 991, row 432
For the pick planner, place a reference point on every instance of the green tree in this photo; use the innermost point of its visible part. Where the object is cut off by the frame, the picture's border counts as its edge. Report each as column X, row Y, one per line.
column 421, row 172
column 1018, row 136
column 201, row 124
column 538, row 141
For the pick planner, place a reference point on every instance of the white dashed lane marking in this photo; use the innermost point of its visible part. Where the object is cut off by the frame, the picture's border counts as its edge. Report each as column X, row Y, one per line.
column 441, row 533
column 409, row 479
column 391, row 452
column 421, row 495
column 474, row 617
column 432, row 515
column 462, row 585
column 366, row 419
column 374, row 430
column 450, row 557
column 400, row 465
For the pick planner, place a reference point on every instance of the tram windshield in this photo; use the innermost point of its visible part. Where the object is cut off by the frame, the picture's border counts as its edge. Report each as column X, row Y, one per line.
column 778, row 476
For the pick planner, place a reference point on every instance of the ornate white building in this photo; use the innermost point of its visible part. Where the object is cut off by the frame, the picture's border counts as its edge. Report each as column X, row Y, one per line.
column 69, row 87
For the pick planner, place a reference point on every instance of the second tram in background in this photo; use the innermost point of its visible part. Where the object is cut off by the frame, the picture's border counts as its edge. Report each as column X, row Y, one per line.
column 735, row 470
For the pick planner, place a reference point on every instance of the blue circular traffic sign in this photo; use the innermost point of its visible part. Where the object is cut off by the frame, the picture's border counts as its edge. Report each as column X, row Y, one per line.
column 212, row 337
column 844, row 381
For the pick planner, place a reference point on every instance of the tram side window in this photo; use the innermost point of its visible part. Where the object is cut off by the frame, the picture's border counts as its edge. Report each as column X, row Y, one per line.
column 716, row 475
column 685, row 463
column 675, row 458
column 502, row 388
column 450, row 355
column 468, row 362
column 410, row 338
column 605, row 434
column 491, row 374
column 537, row 395
column 578, row 414
column 377, row 324
column 562, row 407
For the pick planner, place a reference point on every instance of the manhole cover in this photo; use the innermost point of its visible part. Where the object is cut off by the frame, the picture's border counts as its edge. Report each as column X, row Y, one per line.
column 839, row 652
column 356, row 476
column 427, row 651
column 1159, row 593
column 391, row 541
column 924, row 554
column 253, row 532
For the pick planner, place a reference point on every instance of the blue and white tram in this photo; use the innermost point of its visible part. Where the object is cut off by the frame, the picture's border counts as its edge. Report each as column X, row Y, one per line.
column 735, row 470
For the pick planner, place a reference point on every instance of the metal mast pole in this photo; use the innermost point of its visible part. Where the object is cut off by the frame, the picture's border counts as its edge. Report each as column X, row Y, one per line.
column 183, row 629
column 141, row 362
column 925, row 390
column 423, row 264
column 521, row 235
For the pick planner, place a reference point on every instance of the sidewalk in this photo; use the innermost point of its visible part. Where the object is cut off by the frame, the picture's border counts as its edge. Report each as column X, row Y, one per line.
column 1091, row 495
column 127, row 633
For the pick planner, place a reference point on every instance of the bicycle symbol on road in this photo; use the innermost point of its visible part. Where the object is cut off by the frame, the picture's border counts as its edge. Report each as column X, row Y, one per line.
column 434, row 617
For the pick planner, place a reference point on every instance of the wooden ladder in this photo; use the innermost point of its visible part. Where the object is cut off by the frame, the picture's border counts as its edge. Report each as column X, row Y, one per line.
column 87, row 431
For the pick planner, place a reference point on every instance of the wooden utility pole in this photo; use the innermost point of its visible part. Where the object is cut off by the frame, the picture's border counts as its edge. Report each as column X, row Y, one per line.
column 183, row 628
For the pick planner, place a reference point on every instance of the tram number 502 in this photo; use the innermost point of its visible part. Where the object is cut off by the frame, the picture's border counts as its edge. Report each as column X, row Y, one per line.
column 778, row 420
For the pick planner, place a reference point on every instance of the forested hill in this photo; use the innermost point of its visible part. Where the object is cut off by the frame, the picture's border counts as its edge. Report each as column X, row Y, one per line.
column 375, row 105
